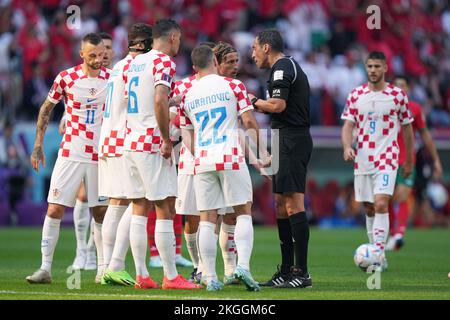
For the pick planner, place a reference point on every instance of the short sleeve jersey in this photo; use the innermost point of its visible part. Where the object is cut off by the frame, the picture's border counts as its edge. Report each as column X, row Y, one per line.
column 84, row 99
column 418, row 125
column 112, row 135
column 211, row 108
column 289, row 82
column 145, row 72
column 186, row 160
column 378, row 116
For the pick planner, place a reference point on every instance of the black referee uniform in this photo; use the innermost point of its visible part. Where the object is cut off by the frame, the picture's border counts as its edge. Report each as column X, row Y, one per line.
column 289, row 82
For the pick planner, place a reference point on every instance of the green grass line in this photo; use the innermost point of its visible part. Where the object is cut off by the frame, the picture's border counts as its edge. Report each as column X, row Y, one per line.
column 418, row 271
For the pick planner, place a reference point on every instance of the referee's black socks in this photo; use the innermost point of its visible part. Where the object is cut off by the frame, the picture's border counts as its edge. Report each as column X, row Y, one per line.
column 286, row 244
column 300, row 233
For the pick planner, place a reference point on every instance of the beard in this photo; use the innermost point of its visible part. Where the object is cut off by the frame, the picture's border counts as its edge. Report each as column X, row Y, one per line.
column 96, row 66
column 376, row 79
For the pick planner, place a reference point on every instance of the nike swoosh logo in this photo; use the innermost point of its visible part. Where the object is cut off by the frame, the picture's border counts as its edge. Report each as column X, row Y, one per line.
column 90, row 100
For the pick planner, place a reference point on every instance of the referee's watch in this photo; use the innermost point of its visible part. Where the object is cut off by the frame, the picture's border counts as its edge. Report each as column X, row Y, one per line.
column 253, row 101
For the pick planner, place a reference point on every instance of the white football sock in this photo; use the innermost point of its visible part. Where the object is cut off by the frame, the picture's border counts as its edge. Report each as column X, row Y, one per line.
column 369, row 228
column 99, row 246
column 243, row 236
column 381, row 230
column 191, row 244
column 226, row 241
column 91, row 240
column 110, row 222
column 81, row 216
column 138, row 243
column 50, row 235
column 208, row 249
column 200, row 263
column 122, row 243
column 165, row 243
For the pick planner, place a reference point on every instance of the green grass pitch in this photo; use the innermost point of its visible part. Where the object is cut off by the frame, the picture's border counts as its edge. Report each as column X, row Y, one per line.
column 418, row 271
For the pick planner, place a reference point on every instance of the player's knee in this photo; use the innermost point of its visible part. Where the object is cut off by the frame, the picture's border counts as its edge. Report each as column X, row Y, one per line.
column 369, row 209
column 55, row 211
column 381, row 206
column 229, row 219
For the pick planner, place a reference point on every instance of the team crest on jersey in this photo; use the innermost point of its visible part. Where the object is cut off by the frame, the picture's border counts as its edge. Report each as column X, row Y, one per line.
column 56, row 193
column 166, row 77
column 92, row 91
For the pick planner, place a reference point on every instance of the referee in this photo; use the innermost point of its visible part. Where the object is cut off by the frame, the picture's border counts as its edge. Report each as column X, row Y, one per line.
column 288, row 106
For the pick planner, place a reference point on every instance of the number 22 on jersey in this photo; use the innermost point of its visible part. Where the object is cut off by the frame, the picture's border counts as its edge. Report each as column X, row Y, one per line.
column 204, row 117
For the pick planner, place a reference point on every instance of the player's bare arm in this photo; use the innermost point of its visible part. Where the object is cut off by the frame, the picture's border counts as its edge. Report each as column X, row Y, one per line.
column 62, row 124
column 43, row 119
column 174, row 101
column 273, row 105
column 163, row 118
column 250, row 123
column 347, row 139
column 408, row 135
column 429, row 144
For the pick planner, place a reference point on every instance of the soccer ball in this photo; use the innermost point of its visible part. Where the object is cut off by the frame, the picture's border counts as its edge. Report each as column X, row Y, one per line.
column 367, row 255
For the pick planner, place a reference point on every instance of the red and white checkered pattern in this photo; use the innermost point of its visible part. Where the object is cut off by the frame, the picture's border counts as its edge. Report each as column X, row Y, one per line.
column 240, row 93
column 377, row 117
column 145, row 72
column 112, row 135
column 84, row 98
column 186, row 160
column 220, row 153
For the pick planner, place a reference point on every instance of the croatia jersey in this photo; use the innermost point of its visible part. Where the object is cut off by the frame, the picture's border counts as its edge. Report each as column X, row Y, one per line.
column 112, row 135
column 418, row 125
column 83, row 98
column 378, row 116
column 186, row 160
column 145, row 72
column 211, row 107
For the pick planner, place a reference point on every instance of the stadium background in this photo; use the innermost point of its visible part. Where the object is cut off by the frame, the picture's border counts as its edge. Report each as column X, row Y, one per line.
column 329, row 38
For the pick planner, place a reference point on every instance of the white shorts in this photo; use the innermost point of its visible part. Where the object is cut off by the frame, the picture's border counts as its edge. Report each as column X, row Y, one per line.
column 111, row 177
column 149, row 175
column 186, row 203
column 220, row 189
column 66, row 178
column 368, row 185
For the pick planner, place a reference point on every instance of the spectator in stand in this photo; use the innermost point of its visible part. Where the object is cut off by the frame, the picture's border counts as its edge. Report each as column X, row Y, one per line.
column 14, row 168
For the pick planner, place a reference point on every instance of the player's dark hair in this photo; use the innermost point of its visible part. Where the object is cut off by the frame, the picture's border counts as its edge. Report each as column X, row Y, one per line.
column 208, row 44
column 163, row 27
column 105, row 36
column 221, row 50
column 271, row 37
column 376, row 55
column 140, row 33
column 202, row 56
column 92, row 38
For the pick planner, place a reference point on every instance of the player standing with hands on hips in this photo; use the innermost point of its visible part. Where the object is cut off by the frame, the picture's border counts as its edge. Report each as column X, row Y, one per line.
column 288, row 105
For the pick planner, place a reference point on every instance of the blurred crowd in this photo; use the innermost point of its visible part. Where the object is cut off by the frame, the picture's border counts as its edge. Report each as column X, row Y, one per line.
column 329, row 38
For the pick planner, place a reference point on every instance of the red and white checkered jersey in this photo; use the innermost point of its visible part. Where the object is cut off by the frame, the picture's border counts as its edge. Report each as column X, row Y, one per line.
column 186, row 161
column 211, row 107
column 145, row 72
column 378, row 116
column 112, row 135
column 83, row 98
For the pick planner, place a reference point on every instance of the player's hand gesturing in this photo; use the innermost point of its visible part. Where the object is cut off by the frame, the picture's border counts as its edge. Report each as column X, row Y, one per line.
column 407, row 169
column 166, row 149
column 36, row 157
column 349, row 154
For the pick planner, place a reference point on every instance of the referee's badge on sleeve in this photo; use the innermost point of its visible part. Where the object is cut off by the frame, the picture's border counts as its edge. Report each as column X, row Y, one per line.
column 278, row 75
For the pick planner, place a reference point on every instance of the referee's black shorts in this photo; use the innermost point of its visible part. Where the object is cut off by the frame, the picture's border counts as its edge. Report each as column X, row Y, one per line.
column 295, row 152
